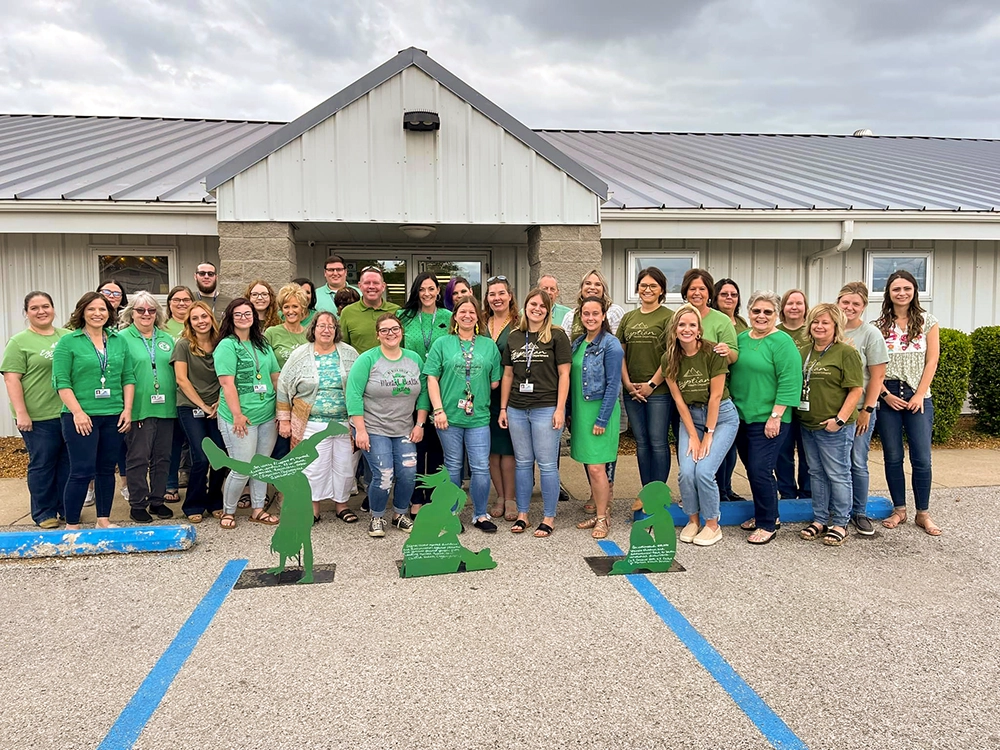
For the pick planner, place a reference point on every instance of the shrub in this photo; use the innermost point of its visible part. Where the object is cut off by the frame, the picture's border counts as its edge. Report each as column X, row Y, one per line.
column 984, row 381
column 951, row 382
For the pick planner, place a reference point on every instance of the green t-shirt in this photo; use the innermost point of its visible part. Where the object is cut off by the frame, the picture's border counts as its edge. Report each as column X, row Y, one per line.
column 446, row 362
column 694, row 378
column 544, row 373
column 200, row 371
column 716, row 326
column 741, row 325
column 77, row 366
column 422, row 330
column 325, row 296
column 643, row 337
column 174, row 328
column 150, row 382
column 832, row 374
column 30, row 354
column 357, row 324
column 767, row 374
column 800, row 335
column 283, row 342
column 246, row 362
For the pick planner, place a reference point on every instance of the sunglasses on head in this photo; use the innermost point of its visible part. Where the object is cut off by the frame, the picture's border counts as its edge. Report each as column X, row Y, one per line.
column 491, row 279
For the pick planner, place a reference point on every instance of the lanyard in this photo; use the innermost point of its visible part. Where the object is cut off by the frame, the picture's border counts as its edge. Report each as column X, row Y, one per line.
column 252, row 351
column 102, row 357
column 151, row 350
column 425, row 334
column 807, row 373
column 467, row 355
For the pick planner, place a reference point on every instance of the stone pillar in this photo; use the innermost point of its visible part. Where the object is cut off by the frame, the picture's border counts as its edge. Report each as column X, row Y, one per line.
column 566, row 252
column 251, row 250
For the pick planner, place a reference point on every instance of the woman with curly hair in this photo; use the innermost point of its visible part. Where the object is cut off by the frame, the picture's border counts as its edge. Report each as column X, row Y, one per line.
column 265, row 302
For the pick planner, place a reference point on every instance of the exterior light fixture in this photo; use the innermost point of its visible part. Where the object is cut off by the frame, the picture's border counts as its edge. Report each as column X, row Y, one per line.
column 417, row 231
column 421, row 121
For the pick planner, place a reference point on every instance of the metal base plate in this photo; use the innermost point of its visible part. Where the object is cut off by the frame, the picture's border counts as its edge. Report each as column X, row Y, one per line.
column 260, row 578
column 602, row 565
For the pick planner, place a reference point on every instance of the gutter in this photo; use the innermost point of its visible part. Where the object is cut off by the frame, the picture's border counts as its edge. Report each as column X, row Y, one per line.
column 846, row 240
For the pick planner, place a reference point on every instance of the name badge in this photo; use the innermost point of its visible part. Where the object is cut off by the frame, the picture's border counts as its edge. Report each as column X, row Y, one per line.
column 803, row 405
column 102, row 393
column 260, row 388
column 198, row 413
column 157, row 398
column 527, row 388
column 466, row 405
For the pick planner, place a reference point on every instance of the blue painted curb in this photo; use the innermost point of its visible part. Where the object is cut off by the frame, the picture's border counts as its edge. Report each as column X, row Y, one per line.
column 63, row 543
column 790, row 511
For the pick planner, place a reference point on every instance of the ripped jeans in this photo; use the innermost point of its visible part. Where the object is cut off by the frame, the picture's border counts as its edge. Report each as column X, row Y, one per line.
column 391, row 459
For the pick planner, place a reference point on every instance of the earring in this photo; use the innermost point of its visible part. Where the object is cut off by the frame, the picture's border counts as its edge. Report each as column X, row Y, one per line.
column 476, row 329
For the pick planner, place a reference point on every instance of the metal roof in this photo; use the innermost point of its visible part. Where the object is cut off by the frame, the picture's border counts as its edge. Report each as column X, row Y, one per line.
column 747, row 171
column 46, row 157
column 406, row 58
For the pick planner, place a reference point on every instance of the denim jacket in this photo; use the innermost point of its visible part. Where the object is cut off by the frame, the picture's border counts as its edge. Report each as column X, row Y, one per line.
column 602, row 372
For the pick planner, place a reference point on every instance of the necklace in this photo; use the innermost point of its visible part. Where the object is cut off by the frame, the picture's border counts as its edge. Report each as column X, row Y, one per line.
column 496, row 334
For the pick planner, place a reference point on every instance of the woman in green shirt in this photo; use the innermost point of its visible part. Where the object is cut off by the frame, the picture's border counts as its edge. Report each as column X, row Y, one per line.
column 92, row 371
column 248, row 375
column 462, row 370
column 286, row 338
column 792, row 483
column 727, row 300
column 310, row 290
column 425, row 319
column 179, row 301
column 27, row 373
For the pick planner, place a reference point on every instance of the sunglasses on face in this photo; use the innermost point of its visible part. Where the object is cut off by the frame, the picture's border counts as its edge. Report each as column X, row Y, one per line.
column 205, row 273
column 109, row 293
column 145, row 310
column 729, row 294
column 758, row 311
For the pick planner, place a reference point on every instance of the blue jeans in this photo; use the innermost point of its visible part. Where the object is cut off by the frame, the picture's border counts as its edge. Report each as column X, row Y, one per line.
column 197, row 500
column 535, row 442
column 91, row 457
column 650, row 425
column 859, row 467
column 475, row 441
column 391, row 458
column 259, row 440
column 699, row 490
column 758, row 454
column 173, row 481
column 792, row 484
column 891, row 426
column 829, row 456
column 48, row 469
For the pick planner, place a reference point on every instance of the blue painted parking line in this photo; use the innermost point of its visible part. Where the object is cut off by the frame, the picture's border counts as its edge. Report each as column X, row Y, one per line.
column 770, row 725
column 136, row 714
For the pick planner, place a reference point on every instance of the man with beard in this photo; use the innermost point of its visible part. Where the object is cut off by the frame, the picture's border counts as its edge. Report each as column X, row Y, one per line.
column 206, row 280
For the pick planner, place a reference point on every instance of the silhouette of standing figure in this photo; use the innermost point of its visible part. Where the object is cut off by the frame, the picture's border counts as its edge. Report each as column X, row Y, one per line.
column 655, row 552
column 293, row 534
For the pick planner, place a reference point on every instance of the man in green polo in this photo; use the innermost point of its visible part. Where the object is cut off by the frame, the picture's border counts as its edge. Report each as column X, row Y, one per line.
column 335, row 273
column 357, row 322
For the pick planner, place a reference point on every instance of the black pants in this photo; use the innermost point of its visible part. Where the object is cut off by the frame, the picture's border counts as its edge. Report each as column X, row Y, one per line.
column 150, row 443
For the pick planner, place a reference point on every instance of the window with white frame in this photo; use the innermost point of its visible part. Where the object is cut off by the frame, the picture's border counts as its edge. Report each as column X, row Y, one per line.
column 148, row 269
column 882, row 264
column 673, row 263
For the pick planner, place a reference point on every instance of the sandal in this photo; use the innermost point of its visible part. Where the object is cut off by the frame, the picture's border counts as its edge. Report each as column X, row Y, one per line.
column 244, row 501
column 265, row 518
column 923, row 520
column 519, row 526
column 751, row 525
column 195, row 518
column 510, row 510
column 834, row 537
column 589, row 507
column 543, row 530
column 761, row 536
column 228, row 521
column 277, row 497
column 217, row 514
column 898, row 516
column 588, row 523
column 496, row 510
column 813, row 531
column 347, row 516
column 171, row 496
column 636, row 505
column 601, row 528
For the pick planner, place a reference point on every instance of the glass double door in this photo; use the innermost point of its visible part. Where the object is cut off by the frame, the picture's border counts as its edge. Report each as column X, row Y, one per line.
column 400, row 269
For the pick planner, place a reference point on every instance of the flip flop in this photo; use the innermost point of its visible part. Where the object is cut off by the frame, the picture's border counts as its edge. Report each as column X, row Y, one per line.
column 347, row 516
column 751, row 524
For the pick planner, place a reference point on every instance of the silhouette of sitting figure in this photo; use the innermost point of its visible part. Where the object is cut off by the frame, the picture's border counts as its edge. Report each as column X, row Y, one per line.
column 653, row 540
column 293, row 535
column 433, row 547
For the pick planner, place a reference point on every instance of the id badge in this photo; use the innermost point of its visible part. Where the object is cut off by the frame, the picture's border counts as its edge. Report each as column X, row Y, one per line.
column 102, row 393
column 527, row 388
column 198, row 413
column 260, row 388
column 463, row 404
column 157, row 398
column 803, row 405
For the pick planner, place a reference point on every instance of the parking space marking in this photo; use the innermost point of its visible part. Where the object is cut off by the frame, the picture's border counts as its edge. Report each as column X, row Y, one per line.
column 775, row 731
column 134, row 717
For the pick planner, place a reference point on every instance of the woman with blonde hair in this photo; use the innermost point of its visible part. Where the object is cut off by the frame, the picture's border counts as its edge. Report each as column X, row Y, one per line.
column 265, row 302
column 832, row 382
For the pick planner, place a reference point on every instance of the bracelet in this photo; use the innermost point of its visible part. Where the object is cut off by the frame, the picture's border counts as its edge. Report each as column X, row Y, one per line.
column 439, row 410
column 503, row 408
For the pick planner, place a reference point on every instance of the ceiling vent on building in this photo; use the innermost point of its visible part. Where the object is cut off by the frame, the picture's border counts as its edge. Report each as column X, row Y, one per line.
column 863, row 132
column 421, row 121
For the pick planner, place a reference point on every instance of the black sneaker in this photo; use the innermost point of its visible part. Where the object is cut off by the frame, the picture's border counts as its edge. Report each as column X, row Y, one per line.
column 364, row 505
column 563, row 495
column 863, row 525
column 161, row 511
column 140, row 515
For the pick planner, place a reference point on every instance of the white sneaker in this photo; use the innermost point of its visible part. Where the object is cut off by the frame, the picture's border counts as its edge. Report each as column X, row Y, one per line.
column 124, row 491
column 90, row 499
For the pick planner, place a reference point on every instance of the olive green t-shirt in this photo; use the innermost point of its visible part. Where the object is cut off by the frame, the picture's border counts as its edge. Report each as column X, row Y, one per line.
column 800, row 335
column 694, row 378
column 30, row 354
column 643, row 337
column 284, row 342
column 544, row 372
column 200, row 371
column 831, row 375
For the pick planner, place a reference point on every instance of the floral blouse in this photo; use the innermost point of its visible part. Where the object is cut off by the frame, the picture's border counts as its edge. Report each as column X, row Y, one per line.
column 907, row 356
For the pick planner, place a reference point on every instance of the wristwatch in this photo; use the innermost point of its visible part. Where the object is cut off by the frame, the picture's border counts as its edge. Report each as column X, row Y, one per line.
column 775, row 415
column 651, row 384
column 709, row 430
column 868, row 409
column 420, row 424
column 840, row 422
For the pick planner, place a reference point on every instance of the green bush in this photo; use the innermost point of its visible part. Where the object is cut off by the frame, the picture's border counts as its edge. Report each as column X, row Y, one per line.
column 984, row 382
column 951, row 382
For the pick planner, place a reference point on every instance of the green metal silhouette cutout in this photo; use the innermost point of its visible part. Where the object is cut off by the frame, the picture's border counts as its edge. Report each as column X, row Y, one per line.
column 293, row 535
column 653, row 540
column 433, row 547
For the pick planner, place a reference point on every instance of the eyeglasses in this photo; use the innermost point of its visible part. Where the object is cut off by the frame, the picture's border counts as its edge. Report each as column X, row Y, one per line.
column 648, row 287
column 336, row 269
column 758, row 311
column 728, row 294
column 144, row 310
column 390, row 331
column 492, row 279
column 326, row 328
column 243, row 315
column 204, row 273
column 259, row 295
column 109, row 293
column 182, row 300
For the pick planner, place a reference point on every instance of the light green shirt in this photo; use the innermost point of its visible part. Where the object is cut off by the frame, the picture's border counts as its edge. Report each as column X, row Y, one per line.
column 30, row 355
column 284, row 342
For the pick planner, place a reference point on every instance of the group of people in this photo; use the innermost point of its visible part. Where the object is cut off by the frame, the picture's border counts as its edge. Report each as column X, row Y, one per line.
column 485, row 391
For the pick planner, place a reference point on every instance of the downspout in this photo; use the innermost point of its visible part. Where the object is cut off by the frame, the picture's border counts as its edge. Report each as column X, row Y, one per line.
column 846, row 240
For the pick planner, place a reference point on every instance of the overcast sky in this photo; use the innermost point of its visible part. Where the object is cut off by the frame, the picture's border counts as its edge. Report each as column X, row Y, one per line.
column 926, row 67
